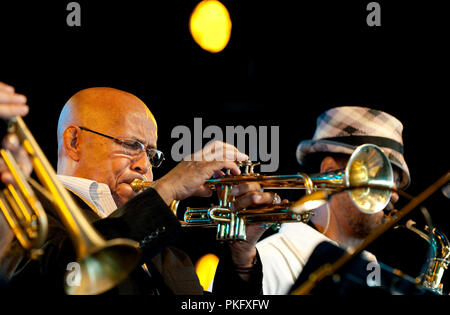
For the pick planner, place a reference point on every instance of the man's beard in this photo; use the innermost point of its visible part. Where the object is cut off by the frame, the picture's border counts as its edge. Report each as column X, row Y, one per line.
column 363, row 225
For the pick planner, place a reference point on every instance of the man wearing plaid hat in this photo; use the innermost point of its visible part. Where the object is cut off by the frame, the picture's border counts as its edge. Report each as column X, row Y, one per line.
column 339, row 131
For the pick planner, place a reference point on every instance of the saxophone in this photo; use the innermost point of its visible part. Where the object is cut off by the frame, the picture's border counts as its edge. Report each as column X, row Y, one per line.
column 440, row 244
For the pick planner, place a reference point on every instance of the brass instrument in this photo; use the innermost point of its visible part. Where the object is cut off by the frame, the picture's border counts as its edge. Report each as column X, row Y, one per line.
column 440, row 244
column 368, row 173
column 330, row 269
column 103, row 264
column 23, row 211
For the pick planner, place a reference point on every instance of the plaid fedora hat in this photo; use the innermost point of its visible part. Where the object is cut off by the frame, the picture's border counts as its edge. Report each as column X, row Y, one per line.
column 342, row 129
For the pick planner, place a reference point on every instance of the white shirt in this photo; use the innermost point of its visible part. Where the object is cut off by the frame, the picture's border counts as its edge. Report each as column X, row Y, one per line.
column 283, row 255
column 96, row 195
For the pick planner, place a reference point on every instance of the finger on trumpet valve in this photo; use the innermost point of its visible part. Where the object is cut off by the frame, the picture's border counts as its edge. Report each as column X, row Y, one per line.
column 252, row 172
column 247, row 164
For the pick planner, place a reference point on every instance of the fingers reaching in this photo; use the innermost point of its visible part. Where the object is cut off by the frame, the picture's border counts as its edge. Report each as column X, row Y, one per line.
column 10, row 110
column 7, row 88
column 218, row 151
column 11, row 103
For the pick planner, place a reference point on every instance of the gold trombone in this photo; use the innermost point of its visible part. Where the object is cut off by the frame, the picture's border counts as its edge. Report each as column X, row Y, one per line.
column 23, row 211
column 103, row 264
column 368, row 178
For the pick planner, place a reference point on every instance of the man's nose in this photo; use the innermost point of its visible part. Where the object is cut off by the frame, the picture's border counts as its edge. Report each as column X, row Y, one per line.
column 142, row 165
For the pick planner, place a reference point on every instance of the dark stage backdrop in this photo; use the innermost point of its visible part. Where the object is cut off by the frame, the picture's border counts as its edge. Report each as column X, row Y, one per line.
column 286, row 62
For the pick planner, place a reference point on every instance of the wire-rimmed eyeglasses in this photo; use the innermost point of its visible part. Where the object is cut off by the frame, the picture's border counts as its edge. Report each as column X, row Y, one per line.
column 134, row 147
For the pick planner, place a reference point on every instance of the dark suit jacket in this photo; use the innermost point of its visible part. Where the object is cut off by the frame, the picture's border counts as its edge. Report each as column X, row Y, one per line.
column 147, row 220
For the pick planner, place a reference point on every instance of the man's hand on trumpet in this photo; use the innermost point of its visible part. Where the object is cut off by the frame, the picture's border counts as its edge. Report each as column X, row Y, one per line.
column 249, row 195
column 13, row 104
column 188, row 177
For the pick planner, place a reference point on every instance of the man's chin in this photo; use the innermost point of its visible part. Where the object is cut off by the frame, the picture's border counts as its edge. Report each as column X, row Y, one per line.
column 123, row 194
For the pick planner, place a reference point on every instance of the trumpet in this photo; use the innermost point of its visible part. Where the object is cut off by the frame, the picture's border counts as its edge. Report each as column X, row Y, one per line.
column 103, row 264
column 368, row 179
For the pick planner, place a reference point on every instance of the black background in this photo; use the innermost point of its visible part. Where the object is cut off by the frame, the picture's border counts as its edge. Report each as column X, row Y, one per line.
column 286, row 62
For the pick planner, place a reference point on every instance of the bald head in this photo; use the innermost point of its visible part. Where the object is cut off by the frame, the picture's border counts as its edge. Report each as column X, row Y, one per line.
column 86, row 154
column 100, row 108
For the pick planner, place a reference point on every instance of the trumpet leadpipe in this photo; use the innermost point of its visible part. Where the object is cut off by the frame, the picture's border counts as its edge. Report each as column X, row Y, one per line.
column 331, row 180
column 293, row 181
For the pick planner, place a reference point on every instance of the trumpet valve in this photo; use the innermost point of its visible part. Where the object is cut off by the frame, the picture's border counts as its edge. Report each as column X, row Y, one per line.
column 247, row 165
column 252, row 166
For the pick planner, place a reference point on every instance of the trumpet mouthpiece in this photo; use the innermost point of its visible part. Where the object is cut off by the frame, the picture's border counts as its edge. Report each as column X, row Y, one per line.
column 138, row 184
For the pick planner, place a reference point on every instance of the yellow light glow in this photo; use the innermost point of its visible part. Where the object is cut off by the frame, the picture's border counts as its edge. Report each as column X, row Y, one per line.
column 206, row 269
column 210, row 25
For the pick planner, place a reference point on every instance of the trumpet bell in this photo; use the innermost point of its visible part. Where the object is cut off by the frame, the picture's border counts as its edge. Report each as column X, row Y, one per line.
column 369, row 166
column 105, row 268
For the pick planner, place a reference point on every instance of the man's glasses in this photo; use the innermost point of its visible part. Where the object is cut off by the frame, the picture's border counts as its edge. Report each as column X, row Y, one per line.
column 133, row 147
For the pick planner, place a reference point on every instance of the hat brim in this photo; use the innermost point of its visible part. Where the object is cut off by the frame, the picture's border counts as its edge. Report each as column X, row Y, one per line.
column 309, row 147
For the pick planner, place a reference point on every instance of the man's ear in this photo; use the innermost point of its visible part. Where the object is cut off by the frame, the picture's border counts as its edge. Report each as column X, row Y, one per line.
column 329, row 164
column 71, row 141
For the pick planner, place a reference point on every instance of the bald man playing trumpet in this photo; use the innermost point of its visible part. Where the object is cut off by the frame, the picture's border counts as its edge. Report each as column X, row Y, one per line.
column 106, row 139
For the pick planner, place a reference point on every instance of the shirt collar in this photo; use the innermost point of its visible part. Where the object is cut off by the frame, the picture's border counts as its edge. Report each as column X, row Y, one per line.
column 96, row 195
